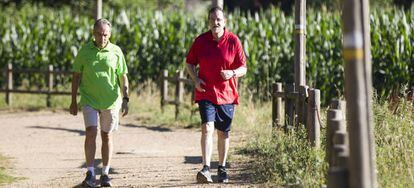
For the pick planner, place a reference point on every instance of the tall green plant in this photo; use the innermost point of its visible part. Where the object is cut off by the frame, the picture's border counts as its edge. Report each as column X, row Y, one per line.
column 33, row 37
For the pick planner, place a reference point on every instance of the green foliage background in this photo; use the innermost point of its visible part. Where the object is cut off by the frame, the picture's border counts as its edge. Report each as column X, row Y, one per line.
column 34, row 36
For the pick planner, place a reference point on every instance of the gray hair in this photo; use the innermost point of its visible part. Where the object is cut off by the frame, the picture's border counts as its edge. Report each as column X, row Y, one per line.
column 215, row 9
column 100, row 22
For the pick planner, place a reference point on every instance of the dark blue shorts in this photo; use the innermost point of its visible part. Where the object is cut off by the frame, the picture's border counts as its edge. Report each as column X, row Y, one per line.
column 221, row 115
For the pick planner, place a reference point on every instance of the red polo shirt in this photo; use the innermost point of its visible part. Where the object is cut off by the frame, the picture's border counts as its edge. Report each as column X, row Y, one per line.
column 212, row 57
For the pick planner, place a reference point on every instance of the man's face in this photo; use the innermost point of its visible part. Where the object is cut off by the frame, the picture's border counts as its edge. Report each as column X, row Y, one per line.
column 102, row 34
column 216, row 22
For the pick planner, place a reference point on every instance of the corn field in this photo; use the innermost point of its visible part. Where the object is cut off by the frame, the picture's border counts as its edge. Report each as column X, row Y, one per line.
column 34, row 37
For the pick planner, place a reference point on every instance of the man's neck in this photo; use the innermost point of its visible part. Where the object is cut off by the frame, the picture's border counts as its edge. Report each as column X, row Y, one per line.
column 94, row 43
column 218, row 36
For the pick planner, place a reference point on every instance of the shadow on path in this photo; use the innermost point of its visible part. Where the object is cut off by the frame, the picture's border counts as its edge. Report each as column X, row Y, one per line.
column 158, row 128
column 243, row 175
column 80, row 132
column 199, row 160
column 98, row 168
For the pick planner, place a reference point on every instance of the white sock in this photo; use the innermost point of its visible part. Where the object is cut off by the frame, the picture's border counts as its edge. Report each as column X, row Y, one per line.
column 92, row 169
column 105, row 170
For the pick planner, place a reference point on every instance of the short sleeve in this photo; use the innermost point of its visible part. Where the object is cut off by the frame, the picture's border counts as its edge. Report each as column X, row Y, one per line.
column 77, row 64
column 240, row 57
column 192, row 56
column 122, row 67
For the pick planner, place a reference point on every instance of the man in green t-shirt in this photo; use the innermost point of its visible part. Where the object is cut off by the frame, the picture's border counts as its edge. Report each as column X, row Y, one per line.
column 100, row 73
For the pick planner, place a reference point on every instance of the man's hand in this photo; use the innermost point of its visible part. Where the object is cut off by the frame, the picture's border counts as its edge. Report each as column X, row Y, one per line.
column 73, row 108
column 198, row 83
column 227, row 74
column 124, row 108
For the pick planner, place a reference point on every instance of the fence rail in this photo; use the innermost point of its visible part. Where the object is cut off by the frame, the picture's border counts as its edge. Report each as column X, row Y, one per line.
column 179, row 80
column 307, row 113
column 49, row 74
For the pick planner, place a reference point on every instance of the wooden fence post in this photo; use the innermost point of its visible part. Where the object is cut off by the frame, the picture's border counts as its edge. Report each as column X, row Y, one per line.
column 301, row 105
column 164, row 89
column 300, row 54
column 179, row 92
column 338, row 177
column 334, row 116
column 337, row 149
column 358, row 92
column 289, row 107
column 9, row 86
column 340, row 105
column 313, row 117
column 339, row 141
column 300, row 42
column 50, row 86
column 98, row 9
column 277, row 115
column 217, row 3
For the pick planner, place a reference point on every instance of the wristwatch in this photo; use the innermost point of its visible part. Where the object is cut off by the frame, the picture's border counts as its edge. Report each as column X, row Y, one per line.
column 126, row 98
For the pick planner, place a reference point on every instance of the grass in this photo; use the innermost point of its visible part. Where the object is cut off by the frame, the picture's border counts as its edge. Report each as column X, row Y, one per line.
column 33, row 102
column 277, row 158
column 287, row 159
column 283, row 159
column 395, row 144
column 4, row 177
column 147, row 106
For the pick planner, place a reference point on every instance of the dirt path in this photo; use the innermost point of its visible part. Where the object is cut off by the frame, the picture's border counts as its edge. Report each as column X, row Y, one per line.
column 47, row 149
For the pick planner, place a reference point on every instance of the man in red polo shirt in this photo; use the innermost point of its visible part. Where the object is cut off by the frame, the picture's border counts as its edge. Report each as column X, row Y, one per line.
column 220, row 57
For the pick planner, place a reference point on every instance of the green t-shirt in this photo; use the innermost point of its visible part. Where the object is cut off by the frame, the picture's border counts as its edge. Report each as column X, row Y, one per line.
column 100, row 71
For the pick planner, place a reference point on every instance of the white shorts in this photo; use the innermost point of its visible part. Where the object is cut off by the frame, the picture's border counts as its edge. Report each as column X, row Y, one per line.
column 108, row 119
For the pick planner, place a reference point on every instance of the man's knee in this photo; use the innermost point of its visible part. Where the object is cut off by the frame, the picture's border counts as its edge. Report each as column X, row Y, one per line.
column 208, row 128
column 223, row 134
column 106, row 137
column 91, row 132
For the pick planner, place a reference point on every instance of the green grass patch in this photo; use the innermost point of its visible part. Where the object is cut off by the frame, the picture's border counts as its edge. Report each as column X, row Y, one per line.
column 4, row 177
column 395, row 144
column 281, row 158
column 146, row 104
column 33, row 102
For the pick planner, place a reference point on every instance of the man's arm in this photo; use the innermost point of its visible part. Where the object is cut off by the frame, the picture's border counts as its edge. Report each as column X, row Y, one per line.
column 125, row 94
column 193, row 74
column 239, row 72
column 75, row 85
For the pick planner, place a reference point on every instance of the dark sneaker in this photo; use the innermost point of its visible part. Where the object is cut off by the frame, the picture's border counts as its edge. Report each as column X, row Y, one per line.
column 105, row 181
column 222, row 175
column 89, row 180
column 204, row 176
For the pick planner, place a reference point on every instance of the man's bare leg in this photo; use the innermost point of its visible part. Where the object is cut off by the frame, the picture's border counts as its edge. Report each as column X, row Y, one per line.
column 90, row 149
column 107, row 148
column 223, row 142
column 90, row 145
column 207, row 131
